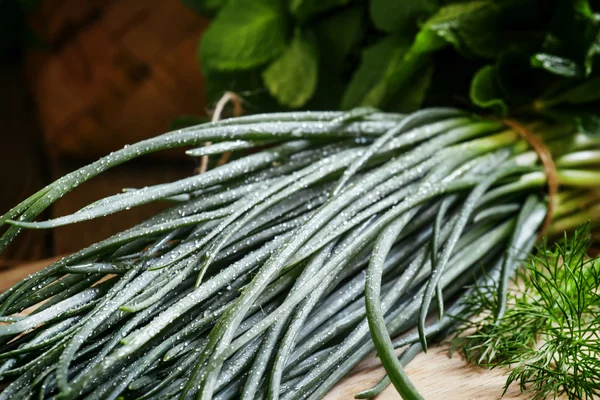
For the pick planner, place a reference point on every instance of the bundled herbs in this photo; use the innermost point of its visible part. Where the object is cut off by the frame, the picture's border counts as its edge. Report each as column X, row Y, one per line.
column 523, row 57
column 273, row 275
column 549, row 335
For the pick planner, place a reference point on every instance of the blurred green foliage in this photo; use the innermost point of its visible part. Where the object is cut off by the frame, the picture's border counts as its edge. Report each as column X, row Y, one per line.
column 505, row 56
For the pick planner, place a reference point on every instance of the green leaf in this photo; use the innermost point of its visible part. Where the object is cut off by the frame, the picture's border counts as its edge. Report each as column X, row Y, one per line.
column 292, row 78
column 386, row 67
column 483, row 28
column 338, row 38
column 307, row 8
column 428, row 41
column 486, row 92
column 467, row 26
column 399, row 16
column 573, row 34
column 586, row 92
column 337, row 35
column 593, row 51
column 412, row 96
column 328, row 93
column 369, row 80
column 245, row 34
column 520, row 83
column 556, row 65
column 204, row 7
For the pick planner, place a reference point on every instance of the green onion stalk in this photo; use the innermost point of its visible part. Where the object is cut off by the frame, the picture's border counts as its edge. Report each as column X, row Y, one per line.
column 273, row 275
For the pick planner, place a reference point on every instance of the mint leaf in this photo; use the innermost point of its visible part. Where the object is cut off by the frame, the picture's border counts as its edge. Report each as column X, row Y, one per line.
column 369, row 83
column 306, row 8
column 337, row 35
column 467, row 26
column 328, row 92
column 586, row 92
column 486, row 92
column 556, row 65
column 484, row 28
column 387, row 67
column 245, row 34
column 573, row 35
column 411, row 97
column 292, row 78
column 399, row 16
column 593, row 50
column 427, row 41
column 520, row 83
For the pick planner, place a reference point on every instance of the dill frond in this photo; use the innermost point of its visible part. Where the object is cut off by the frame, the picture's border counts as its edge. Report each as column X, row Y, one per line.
column 549, row 335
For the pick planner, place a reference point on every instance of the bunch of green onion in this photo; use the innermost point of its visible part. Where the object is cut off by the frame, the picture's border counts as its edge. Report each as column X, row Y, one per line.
column 273, row 275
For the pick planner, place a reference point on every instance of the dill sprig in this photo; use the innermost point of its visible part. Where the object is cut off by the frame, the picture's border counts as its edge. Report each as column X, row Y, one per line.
column 549, row 335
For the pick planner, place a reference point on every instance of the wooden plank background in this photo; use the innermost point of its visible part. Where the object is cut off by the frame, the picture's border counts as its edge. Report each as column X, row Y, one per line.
column 113, row 72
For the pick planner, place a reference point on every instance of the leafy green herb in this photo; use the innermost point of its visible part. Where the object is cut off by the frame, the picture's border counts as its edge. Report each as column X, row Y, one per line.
column 549, row 336
column 400, row 16
column 244, row 35
column 292, row 78
column 556, row 65
column 486, row 92
column 337, row 36
column 521, row 58
column 378, row 63
column 307, row 8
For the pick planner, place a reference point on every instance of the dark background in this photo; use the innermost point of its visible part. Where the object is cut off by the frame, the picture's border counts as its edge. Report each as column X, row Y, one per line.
column 79, row 79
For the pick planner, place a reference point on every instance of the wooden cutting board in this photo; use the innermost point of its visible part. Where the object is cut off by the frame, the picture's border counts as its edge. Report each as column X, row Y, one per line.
column 435, row 375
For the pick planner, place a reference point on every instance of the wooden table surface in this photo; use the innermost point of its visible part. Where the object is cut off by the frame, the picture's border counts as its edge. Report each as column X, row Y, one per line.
column 434, row 374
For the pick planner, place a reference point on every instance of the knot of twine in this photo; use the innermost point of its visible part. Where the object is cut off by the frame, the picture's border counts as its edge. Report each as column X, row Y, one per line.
column 548, row 164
